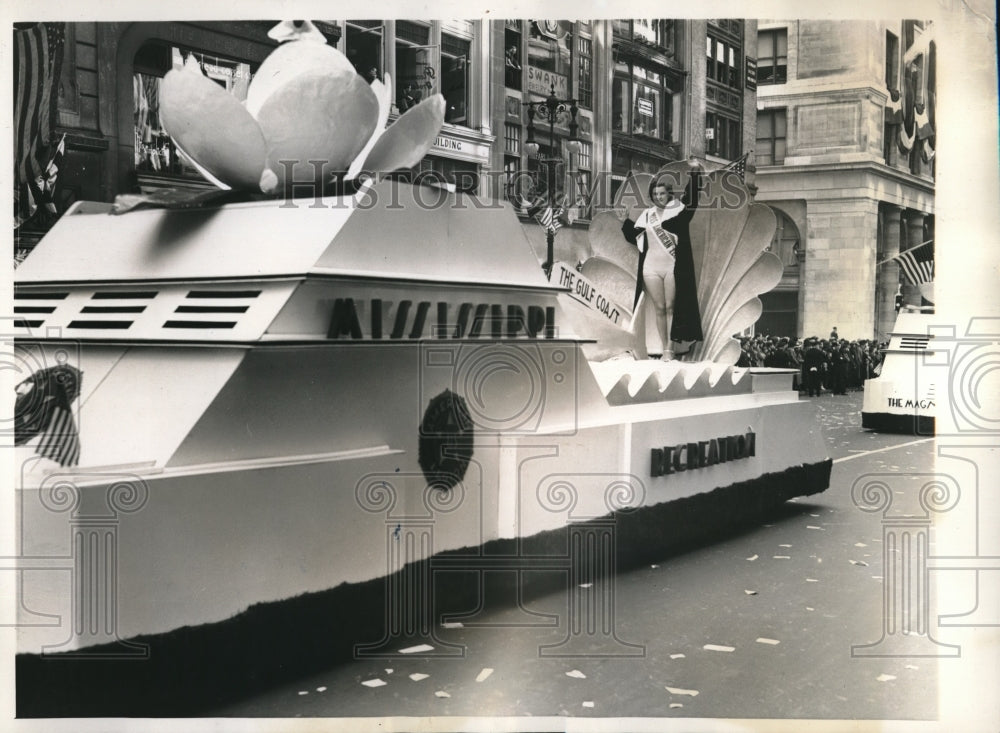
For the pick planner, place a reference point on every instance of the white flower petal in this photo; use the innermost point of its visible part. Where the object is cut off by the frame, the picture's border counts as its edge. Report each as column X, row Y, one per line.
column 291, row 60
column 409, row 138
column 384, row 105
column 212, row 128
column 317, row 117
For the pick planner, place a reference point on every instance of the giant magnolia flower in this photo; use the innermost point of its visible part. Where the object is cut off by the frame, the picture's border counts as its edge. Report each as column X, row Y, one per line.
column 308, row 117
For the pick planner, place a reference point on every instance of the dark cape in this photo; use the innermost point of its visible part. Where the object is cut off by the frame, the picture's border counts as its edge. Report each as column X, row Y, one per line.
column 686, row 324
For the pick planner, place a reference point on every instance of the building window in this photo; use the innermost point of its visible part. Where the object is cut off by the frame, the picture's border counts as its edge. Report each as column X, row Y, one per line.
column 155, row 152
column 658, row 32
column 891, row 61
column 723, row 59
column 549, row 50
column 641, row 102
column 583, row 178
column 772, row 56
column 585, row 80
column 771, row 137
column 512, row 54
column 415, row 75
column 363, row 41
column 512, row 139
column 455, row 78
column 723, row 136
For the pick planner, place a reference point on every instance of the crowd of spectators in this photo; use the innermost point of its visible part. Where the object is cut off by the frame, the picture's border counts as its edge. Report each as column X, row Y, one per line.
column 834, row 364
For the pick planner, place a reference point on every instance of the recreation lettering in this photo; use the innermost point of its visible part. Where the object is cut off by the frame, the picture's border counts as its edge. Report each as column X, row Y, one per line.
column 407, row 319
column 688, row 456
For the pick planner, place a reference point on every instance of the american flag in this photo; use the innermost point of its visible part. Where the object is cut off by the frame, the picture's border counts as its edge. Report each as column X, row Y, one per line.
column 549, row 218
column 917, row 264
column 38, row 52
column 739, row 166
column 44, row 407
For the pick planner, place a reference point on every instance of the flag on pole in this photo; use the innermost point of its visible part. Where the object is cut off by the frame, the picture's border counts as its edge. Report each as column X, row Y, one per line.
column 37, row 57
column 739, row 166
column 47, row 183
column 917, row 264
column 549, row 218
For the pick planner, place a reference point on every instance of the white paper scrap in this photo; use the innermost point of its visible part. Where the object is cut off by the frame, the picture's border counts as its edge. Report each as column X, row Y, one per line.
column 586, row 585
column 885, row 677
column 860, row 544
column 719, row 648
column 681, row 691
column 763, row 640
column 812, row 526
column 811, row 580
column 303, row 692
column 810, row 608
column 912, row 666
column 588, row 704
column 417, row 648
column 417, row 676
column 576, row 673
column 441, row 693
column 321, row 689
column 453, row 625
column 654, row 566
column 750, row 592
column 676, row 705
column 388, row 670
column 782, row 557
column 859, row 562
column 487, row 671
column 751, row 559
column 677, row 656
column 784, row 545
column 374, row 683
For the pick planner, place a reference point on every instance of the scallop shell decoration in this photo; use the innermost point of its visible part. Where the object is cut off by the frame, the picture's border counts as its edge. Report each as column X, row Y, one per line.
column 306, row 103
column 729, row 236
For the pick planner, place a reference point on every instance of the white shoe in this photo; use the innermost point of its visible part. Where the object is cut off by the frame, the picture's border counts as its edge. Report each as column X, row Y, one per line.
column 667, row 356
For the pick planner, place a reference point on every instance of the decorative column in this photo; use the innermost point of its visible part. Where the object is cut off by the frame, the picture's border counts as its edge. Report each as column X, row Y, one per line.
column 905, row 551
column 888, row 273
column 590, row 618
column 409, row 583
column 94, row 518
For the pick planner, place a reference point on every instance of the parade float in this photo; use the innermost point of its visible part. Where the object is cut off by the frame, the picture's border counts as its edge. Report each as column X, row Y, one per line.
column 244, row 426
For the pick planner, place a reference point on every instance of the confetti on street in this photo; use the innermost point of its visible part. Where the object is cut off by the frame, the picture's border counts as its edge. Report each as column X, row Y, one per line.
column 811, row 580
column 750, row 592
column 588, row 704
column 751, row 559
column 860, row 544
column 763, row 640
column 812, row 526
column 810, row 608
column 417, row 649
column 576, row 673
column 859, row 562
column 303, row 692
column 441, row 693
column 417, row 676
column 676, row 705
column 677, row 656
column 453, row 625
column 784, row 545
column 719, row 648
column 782, row 557
column 885, row 677
column 681, row 691
column 374, row 683
column 321, row 689
column 487, row 671
column 586, row 585
column 388, row 670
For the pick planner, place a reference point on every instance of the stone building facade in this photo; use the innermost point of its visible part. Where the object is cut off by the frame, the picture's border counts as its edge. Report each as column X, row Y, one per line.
column 845, row 157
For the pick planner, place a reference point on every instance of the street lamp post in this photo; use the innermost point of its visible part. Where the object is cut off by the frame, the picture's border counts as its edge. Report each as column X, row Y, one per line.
column 548, row 111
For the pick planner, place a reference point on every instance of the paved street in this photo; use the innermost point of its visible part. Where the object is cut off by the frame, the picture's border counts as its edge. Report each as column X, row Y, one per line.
column 760, row 625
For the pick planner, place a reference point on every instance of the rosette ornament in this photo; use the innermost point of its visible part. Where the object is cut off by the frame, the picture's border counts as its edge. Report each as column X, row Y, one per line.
column 308, row 118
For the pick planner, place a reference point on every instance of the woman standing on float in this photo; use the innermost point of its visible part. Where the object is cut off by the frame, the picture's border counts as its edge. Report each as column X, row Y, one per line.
column 666, row 262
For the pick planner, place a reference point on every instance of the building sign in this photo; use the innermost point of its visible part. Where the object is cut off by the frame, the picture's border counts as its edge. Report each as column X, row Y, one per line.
column 688, row 456
column 462, row 149
column 584, row 292
column 447, row 143
column 644, row 106
column 541, row 82
column 512, row 106
column 751, row 73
